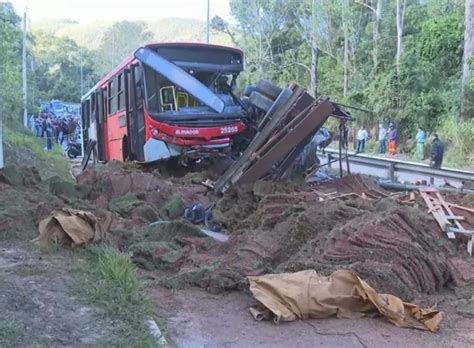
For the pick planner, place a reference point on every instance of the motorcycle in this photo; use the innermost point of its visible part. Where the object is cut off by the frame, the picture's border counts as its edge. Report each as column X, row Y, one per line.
column 73, row 150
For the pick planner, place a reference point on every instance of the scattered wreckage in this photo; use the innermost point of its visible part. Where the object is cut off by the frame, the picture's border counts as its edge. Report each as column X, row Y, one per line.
column 168, row 102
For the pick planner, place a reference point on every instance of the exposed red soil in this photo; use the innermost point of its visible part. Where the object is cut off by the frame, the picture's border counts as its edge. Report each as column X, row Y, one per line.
column 393, row 249
column 274, row 227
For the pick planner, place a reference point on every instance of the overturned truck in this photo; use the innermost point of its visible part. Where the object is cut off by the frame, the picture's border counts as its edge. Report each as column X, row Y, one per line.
column 178, row 100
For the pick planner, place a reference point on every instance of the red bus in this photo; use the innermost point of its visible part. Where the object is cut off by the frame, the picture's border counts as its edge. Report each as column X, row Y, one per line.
column 166, row 100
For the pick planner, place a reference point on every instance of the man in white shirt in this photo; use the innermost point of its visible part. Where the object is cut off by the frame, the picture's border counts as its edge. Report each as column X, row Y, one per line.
column 382, row 140
column 361, row 138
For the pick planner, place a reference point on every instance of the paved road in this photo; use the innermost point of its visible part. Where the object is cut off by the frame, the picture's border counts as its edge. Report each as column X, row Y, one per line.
column 195, row 318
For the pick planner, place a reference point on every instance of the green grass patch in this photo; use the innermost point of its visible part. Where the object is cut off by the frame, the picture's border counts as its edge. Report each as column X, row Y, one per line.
column 110, row 281
column 22, row 147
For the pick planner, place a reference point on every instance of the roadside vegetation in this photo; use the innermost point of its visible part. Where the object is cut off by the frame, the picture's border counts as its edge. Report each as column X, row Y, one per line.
column 109, row 280
column 460, row 141
column 457, row 134
column 407, row 62
column 22, row 147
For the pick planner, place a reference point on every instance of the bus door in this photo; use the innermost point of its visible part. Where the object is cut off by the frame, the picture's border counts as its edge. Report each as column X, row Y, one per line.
column 116, row 123
column 126, row 147
column 100, row 122
column 136, row 114
column 85, row 122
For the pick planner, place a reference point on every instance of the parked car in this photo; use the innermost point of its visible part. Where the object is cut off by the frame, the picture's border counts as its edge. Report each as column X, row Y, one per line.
column 58, row 108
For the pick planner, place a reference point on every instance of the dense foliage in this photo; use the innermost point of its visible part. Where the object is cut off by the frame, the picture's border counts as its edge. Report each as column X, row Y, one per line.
column 57, row 68
column 10, row 63
column 427, row 87
column 347, row 49
column 53, row 67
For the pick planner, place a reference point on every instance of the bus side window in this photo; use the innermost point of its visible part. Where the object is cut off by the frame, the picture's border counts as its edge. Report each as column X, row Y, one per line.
column 120, row 92
column 87, row 113
column 92, row 114
column 112, row 97
column 140, row 93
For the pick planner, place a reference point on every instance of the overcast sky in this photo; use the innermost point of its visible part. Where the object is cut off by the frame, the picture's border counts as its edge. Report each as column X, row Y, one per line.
column 93, row 10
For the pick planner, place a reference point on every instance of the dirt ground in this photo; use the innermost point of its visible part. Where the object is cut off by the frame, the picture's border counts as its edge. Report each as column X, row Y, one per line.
column 38, row 302
column 272, row 228
column 195, row 318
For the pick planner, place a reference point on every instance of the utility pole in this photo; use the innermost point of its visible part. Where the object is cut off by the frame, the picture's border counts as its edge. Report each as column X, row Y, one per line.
column 25, row 90
column 113, row 50
column 1, row 136
column 82, row 74
column 208, row 22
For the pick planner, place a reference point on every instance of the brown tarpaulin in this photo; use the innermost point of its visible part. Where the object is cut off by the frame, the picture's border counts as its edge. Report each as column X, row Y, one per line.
column 75, row 227
column 305, row 294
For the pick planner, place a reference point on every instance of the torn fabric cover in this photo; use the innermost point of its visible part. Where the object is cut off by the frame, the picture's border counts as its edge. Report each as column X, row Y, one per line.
column 72, row 226
column 305, row 294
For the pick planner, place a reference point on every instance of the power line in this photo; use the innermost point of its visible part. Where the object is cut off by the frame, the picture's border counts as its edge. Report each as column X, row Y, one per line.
column 1, row 135
column 208, row 20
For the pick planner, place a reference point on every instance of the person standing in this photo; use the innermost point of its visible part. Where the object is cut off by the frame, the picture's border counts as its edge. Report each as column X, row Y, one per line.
column 61, row 132
column 32, row 122
column 392, row 140
column 345, row 136
column 420, row 143
column 437, row 152
column 361, row 138
column 39, row 126
column 382, row 141
column 49, row 129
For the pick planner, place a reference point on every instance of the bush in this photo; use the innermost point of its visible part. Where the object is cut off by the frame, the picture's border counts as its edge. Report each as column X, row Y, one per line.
column 458, row 136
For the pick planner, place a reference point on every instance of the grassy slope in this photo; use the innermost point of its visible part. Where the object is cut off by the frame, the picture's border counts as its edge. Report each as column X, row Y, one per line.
column 108, row 278
column 23, row 148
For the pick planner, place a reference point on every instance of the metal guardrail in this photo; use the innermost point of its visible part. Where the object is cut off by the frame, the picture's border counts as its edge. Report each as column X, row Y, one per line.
column 393, row 166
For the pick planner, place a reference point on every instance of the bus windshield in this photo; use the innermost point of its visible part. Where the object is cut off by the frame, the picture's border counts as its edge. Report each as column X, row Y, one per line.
column 162, row 95
column 215, row 68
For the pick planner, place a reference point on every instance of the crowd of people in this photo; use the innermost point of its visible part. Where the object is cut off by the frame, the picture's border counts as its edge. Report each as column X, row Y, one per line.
column 47, row 125
column 390, row 137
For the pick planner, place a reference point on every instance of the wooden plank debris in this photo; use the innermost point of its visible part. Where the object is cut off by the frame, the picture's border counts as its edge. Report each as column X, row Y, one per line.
column 288, row 126
column 444, row 216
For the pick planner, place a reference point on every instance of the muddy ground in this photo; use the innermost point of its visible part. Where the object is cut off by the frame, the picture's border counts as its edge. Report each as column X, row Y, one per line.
column 39, row 303
column 195, row 318
column 198, row 284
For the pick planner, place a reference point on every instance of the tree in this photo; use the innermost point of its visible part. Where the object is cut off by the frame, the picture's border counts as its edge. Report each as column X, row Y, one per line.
column 267, row 32
column 58, row 67
column 315, row 23
column 10, row 67
column 314, row 50
column 119, row 41
column 376, row 7
column 467, row 110
column 309, row 24
column 220, row 25
column 400, row 10
column 408, row 73
column 345, row 30
column 352, row 21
